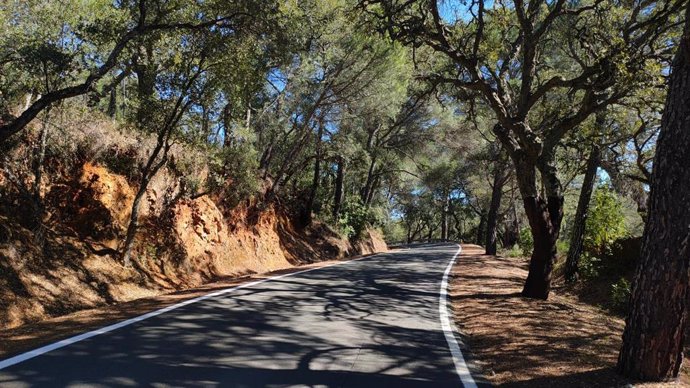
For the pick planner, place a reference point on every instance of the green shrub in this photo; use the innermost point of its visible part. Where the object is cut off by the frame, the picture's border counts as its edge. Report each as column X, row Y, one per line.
column 514, row 251
column 589, row 266
column 526, row 242
column 394, row 231
column 233, row 171
column 605, row 222
column 354, row 219
column 620, row 295
column 605, row 225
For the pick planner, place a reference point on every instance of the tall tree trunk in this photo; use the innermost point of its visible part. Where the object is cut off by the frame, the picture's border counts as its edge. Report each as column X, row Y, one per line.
column 655, row 328
column 578, row 232
column 544, row 218
column 494, row 207
column 481, row 228
column 153, row 165
column 364, row 193
column 309, row 206
column 339, row 181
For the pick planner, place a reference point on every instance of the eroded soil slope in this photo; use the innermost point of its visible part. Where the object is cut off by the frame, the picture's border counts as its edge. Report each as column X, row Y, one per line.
column 72, row 263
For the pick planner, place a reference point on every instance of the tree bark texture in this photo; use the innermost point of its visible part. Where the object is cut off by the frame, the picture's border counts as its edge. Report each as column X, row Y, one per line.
column 577, row 236
column 499, row 175
column 544, row 216
column 654, row 332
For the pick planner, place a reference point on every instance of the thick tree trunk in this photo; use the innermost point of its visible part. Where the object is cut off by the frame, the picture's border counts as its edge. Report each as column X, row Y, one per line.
column 578, row 232
column 544, row 218
column 538, row 283
column 655, row 328
column 494, row 207
column 372, row 190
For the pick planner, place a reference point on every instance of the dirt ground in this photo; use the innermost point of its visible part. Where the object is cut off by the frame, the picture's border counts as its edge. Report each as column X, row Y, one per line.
column 517, row 342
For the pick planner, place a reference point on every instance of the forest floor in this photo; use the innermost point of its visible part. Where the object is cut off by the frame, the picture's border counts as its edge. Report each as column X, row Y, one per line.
column 516, row 342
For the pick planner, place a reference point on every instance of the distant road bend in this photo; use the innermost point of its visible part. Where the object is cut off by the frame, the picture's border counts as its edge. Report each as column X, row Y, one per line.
column 375, row 322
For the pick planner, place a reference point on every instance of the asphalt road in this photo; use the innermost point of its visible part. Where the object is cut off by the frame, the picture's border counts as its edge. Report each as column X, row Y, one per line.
column 374, row 322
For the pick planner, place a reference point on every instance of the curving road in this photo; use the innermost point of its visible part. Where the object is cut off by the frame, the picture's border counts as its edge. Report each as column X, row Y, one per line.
column 373, row 322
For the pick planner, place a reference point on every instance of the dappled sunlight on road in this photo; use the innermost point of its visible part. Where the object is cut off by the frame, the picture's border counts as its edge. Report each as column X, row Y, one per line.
column 372, row 322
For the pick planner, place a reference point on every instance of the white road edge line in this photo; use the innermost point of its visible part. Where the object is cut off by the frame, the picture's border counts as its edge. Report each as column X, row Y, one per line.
column 460, row 365
column 81, row 337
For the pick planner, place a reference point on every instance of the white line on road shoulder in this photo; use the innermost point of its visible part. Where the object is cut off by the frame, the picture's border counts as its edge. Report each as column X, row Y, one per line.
column 81, row 337
column 460, row 365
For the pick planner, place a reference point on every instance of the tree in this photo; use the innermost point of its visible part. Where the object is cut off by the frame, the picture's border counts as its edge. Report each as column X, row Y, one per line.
column 540, row 80
column 581, row 213
column 182, row 89
column 655, row 328
column 145, row 19
column 500, row 175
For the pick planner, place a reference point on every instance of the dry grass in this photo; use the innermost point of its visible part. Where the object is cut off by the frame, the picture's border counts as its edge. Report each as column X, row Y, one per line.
column 518, row 342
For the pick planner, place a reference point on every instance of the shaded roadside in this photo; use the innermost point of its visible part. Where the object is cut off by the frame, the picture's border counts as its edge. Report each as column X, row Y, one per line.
column 518, row 342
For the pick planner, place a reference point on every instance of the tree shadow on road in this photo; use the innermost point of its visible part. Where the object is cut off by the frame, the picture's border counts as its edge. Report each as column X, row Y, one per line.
column 364, row 324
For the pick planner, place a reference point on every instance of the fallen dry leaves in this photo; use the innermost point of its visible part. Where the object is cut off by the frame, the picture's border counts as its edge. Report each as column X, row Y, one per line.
column 519, row 342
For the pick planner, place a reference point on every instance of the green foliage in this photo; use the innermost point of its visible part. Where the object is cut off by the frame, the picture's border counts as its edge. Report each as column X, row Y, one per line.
column 589, row 266
column 620, row 295
column 354, row 219
column 605, row 222
column 394, row 232
column 234, row 173
column 515, row 251
column 526, row 242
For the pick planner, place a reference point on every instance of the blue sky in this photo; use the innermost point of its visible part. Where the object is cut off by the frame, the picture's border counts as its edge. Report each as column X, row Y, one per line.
column 452, row 10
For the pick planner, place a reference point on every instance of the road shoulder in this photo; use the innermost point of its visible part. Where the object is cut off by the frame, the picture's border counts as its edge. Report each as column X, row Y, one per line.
column 518, row 342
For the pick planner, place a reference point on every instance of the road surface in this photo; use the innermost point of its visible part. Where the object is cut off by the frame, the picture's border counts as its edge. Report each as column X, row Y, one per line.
column 373, row 322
